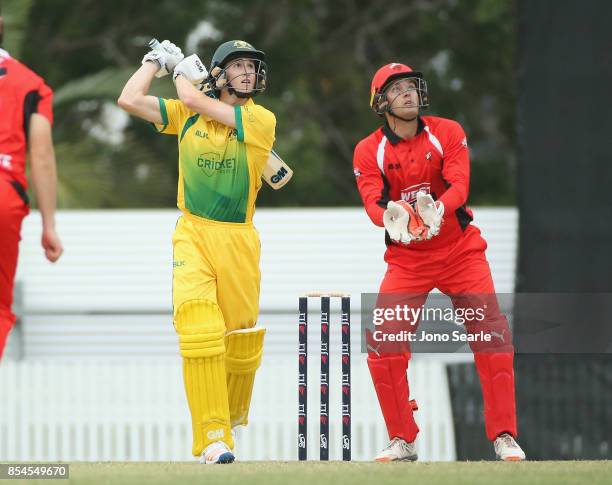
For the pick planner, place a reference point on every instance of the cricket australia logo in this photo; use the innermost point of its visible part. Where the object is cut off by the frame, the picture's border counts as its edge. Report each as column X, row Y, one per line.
column 211, row 163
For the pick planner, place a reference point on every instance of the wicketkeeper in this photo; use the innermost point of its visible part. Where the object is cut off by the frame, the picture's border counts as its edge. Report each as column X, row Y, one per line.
column 223, row 142
column 413, row 176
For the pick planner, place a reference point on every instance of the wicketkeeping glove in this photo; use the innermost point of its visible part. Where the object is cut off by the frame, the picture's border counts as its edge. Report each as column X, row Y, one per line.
column 402, row 223
column 431, row 213
column 192, row 68
column 166, row 55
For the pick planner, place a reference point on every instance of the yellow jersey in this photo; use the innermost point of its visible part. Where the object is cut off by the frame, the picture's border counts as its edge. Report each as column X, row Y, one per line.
column 220, row 167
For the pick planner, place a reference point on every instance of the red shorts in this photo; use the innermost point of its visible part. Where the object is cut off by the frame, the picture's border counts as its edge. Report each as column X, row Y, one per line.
column 12, row 211
column 460, row 268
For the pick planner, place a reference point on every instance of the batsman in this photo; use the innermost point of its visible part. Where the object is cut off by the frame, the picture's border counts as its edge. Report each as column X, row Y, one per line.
column 413, row 176
column 224, row 141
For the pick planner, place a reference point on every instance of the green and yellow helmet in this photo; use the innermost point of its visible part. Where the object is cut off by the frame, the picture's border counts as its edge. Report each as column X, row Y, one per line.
column 223, row 57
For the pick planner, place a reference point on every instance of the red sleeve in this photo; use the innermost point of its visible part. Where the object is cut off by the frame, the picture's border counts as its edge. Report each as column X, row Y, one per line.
column 456, row 169
column 370, row 182
column 45, row 104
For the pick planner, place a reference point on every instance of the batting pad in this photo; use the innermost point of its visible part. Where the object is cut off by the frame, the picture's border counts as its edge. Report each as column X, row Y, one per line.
column 244, row 350
column 201, row 330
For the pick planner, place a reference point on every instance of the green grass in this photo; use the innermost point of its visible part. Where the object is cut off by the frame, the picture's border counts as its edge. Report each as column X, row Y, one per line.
column 338, row 473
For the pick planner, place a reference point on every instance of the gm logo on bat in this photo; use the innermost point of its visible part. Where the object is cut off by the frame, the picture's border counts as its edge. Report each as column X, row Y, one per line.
column 280, row 175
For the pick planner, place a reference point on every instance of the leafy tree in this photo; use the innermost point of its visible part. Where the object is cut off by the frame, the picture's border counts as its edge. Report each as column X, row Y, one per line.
column 321, row 58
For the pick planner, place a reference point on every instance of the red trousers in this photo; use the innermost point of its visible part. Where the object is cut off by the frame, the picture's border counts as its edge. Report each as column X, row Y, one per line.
column 462, row 272
column 12, row 211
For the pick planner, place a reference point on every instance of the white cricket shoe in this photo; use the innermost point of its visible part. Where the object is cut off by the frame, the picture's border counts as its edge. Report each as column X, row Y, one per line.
column 397, row 450
column 507, row 449
column 217, row 453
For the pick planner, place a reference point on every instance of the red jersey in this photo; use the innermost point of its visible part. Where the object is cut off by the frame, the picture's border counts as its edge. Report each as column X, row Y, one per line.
column 435, row 160
column 22, row 93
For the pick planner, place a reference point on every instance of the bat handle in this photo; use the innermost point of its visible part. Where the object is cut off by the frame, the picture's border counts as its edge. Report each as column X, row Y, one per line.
column 153, row 43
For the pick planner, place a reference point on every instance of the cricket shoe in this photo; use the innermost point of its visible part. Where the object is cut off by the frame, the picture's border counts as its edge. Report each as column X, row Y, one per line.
column 397, row 450
column 217, row 453
column 507, row 449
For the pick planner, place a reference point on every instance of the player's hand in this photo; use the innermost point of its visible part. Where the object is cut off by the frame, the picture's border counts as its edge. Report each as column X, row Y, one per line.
column 431, row 212
column 402, row 223
column 192, row 69
column 166, row 55
column 52, row 245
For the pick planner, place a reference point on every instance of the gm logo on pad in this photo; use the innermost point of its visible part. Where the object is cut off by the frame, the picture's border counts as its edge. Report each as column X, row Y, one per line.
column 215, row 434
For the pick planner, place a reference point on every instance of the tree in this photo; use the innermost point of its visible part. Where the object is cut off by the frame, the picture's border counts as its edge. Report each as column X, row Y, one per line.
column 321, row 58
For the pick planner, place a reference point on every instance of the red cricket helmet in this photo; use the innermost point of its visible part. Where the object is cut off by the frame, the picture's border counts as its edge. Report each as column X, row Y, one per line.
column 391, row 72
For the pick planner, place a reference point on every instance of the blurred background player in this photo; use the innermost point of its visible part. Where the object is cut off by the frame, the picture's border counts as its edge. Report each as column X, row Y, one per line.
column 413, row 177
column 25, row 128
column 223, row 147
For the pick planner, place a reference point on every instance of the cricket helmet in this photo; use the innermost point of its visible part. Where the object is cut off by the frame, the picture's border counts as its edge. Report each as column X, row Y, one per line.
column 230, row 51
column 383, row 79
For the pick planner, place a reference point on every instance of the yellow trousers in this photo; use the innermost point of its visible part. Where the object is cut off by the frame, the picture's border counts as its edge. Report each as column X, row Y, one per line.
column 218, row 261
column 216, row 301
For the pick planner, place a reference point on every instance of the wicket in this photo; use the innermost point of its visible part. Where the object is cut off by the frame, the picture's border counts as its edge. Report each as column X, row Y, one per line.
column 324, row 376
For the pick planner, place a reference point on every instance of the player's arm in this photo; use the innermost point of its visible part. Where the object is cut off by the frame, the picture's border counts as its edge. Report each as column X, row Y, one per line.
column 456, row 170
column 371, row 184
column 158, row 62
column 195, row 101
column 134, row 98
column 190, row 72
column 44, row 177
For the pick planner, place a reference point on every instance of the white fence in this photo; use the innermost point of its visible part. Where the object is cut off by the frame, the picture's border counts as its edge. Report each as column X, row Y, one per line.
column 110, row 294
column 91, row 410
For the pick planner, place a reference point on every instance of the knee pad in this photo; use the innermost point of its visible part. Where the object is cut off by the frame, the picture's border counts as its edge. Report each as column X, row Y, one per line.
column 391, row 383
column 243, row 357
column 201, row 331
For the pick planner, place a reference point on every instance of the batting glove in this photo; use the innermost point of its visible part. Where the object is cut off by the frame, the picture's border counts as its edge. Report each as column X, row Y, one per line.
column 192, row 69
column 166, row 55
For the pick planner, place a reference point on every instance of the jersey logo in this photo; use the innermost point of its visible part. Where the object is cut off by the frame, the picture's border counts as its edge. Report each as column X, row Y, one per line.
column 464, row 142
column 428, row 156
column 211, row 163
column 357, row 172
column 5, row 161
column 409, row 193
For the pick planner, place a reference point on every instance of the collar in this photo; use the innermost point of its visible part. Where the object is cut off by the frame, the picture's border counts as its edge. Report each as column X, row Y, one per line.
column 249, row 102
column 393, row 138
